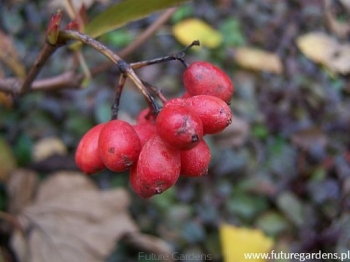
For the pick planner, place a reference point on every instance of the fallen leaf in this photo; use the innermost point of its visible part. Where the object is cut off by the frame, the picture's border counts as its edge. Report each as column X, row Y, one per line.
column 341, row 29
column 47, row 147
column 326, row 50
column 20, row 189
column 238, row 241
column 317, row 46
column 72, row 220
column 9, row 55
column 192, row 29
column 340, row 61
column 258, row 60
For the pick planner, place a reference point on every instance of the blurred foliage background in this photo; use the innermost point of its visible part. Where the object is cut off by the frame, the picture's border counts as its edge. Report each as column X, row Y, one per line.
column 282, row 167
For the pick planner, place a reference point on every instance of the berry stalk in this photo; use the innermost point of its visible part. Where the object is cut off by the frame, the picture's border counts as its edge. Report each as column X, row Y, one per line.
column 177, row 56
column 124, row 67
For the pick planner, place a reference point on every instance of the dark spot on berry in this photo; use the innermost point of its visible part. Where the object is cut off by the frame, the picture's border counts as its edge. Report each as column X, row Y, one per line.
column 194, row 138
column 127, row 161
column 111, row 150
column 158, row 191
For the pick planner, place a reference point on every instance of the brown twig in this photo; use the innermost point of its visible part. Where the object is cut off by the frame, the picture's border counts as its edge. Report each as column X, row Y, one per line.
column 138, row 41
column 124, row 67
column 155, row 90
column 115, row 106
column 71, row 79
column 44, row 55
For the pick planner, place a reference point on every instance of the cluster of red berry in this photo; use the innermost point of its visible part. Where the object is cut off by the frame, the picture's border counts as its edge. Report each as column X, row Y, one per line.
column 163, row 146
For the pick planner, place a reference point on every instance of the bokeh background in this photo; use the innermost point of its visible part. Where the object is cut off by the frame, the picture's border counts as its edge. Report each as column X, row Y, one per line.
column 282, row 167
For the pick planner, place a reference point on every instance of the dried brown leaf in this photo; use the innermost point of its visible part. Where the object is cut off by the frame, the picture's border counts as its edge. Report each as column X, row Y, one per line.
column 9, row 55
column 258, row 60
column 324, row 49
column 47, row 147
column 72, row 220
column 21, row 187
column 317, row 46
column 341, row 29
column 340, row 62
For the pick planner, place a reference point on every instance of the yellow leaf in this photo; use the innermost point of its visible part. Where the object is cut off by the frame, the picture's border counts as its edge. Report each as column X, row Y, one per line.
column 317, row 46
column 326, row 50
column 47, row 147
column 237, row 241
column 259, row 60
column 195, row 29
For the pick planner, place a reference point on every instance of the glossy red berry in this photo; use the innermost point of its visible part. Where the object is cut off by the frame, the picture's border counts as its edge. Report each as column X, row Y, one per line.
column 146, row 117
column 87, row 156
column 214, row 113
column 178, row 101
column 185, row 95
column 203, row 78
column 195, row 162
column 179, row 127
column 157, row 169
column 119, row 145
column 145, row 132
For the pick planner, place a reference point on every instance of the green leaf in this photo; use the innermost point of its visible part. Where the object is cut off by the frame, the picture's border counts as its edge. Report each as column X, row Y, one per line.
column 124, row 12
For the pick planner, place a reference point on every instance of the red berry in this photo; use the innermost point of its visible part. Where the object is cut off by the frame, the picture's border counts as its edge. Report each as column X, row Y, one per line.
column 179, row 127
column 146, row 117
column 178, row 101
column 214, row 113
column 119, row 145
column 157, row 169
column 87, row 156
column 185, row 95
column 203, row 78
column 195, row 162
column 145, row 132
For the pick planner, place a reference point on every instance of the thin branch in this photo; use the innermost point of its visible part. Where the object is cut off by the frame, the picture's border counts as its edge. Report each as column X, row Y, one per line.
column 70, row 79
column 124, row 67
column 177, row 56
column 148, row 32
column 44, row 55
column 155, row 90
column 118, row 94
column 143, row 37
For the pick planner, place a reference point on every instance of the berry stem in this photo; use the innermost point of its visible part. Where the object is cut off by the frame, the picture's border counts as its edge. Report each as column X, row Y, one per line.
column 115, row 105
column 156, row 91
column 124, row 67
column 177, row 56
